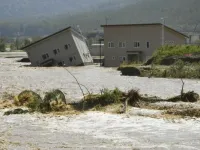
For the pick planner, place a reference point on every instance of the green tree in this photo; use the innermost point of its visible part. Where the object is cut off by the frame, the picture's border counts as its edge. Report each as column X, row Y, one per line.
column 2, row 45
column 13, row 46
column 17, row 44
column 26, row 42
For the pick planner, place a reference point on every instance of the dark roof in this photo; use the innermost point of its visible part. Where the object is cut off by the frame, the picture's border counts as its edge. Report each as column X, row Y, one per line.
column 68, row 28
column 146, row 24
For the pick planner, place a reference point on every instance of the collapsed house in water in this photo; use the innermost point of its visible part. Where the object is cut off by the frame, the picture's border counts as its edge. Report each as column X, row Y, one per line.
column 63, row 48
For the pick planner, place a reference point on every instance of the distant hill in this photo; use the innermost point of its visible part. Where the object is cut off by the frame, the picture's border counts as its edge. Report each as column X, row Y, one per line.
column 182, row 15
column 20, row 9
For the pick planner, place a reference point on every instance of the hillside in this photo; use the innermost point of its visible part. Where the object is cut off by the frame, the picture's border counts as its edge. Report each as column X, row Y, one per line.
column 182, row 15
column 20, row 9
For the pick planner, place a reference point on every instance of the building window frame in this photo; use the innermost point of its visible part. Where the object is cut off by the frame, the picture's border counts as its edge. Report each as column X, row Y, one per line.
column 45, row 56
column 111, row 45
column 56, row 51
column 67, row 46
column 113, row 57
column 148, row 44
column 122, row 58
column 122, row 44
column 136, row 44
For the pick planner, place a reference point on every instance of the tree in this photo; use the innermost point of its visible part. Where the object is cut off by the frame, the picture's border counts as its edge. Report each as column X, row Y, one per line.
column 2, row 45
column 17, row 44
column 26, row 42
column 13, row 46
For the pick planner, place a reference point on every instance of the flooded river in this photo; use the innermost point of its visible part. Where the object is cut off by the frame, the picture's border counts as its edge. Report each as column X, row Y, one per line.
column 95, row 130
column 91, row 130
column 15, row 78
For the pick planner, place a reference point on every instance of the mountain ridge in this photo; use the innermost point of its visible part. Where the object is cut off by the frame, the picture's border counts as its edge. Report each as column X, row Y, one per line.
column 182, row 15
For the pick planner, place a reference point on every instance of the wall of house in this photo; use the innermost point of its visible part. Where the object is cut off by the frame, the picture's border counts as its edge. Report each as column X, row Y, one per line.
column 130, row 34
column 82, row 49
column 172, row 37
column 56, row 42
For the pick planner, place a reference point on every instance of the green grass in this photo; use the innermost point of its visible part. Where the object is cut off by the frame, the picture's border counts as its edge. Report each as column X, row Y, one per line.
column 179, row 69
column 107, row 97
column 177, row 50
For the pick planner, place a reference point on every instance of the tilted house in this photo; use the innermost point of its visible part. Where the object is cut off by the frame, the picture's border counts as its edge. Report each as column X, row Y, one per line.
column 66, row 47
column 136, row 42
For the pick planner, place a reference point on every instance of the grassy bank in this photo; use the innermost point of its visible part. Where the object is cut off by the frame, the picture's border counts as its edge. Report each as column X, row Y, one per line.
column 112, row 101
column 177, row 50
column 179, row 69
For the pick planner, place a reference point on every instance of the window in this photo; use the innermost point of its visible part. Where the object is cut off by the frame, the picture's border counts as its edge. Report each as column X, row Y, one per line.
column 70, row 59
column 111, row 45
column 45, row 56
column 122, row 58
column 56, row 51
column 136, row 44
column 113, row 58
column 148, row 44
column 61, row 63
column 67, row 46
column 122, row 44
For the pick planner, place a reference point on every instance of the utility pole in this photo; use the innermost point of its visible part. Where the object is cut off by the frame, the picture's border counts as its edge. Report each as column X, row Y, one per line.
column 106, row 19
column 100, row 40
column 163, row 31
column 17, row 40
column 195, row 28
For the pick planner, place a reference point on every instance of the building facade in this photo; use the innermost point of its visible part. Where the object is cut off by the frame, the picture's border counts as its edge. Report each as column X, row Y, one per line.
column 66, row 47
column 97, row 49
column 136, row 42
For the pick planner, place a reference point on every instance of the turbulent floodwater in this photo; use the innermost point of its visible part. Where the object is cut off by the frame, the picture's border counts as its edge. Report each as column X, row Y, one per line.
column 98, row 131
column 15, row 78
column 92, row 130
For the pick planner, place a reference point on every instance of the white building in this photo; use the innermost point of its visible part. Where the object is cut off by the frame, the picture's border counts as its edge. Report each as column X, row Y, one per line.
column 66, row 47
column 97, row 49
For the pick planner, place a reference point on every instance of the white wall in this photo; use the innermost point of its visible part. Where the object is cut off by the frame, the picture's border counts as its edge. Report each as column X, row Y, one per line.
column 83, row 49
column 58, row 41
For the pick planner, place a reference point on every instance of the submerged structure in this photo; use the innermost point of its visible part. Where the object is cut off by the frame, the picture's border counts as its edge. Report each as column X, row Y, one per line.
column 63, row 48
